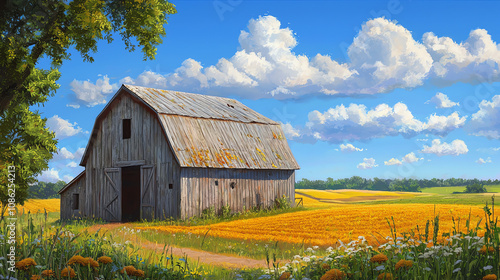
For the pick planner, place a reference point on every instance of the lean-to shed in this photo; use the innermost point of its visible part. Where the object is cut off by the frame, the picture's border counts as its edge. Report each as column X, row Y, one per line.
column 158, row 154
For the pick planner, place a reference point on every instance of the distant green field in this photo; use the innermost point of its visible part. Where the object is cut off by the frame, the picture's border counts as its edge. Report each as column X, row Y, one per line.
column 449, row 190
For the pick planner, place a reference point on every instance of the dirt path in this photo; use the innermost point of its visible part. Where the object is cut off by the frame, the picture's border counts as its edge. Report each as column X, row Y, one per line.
column 193, row 255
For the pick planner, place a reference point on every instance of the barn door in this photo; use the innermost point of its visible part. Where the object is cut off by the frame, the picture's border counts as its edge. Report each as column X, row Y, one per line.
column 148, row 192
column 111, row 194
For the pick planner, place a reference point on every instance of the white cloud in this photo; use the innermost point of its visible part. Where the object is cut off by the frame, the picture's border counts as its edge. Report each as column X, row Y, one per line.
column 347, row 148
column 456, row 147
column 90, row 94
column 486, row 121
column 290, row 132
column 72, row 164
column 441, row 100
column 393, row 161
column 368, row 163
column 67, row 178
column 483, row 161
column 51, row 175
column 63, row 128
column 356, row 123
column 423, row 140
column 472, row 61
column 411, row 157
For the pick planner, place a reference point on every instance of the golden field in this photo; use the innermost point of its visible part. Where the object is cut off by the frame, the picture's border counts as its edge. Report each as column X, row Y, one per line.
column 324, row 198
column 38, row 205
column 325, row 226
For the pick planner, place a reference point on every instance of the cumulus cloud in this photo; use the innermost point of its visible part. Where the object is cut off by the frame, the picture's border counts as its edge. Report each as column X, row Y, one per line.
column 63, row 128
column 455, row 148
column 368, row 163
column 483, row 161
column 91, row 94
column 393, row 161
column 441, row 100
column 72, row 164
column 357, row 123
column 290, row 132
column 348, row 148
column 67, row 178
column 475, row 60
column 486, row 121
column 51, row 175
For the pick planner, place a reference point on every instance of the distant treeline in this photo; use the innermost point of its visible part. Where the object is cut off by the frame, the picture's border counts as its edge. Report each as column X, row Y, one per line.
column 44, row 190
column 404, row 185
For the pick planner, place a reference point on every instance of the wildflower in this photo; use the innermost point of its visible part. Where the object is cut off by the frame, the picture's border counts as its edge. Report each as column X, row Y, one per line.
column 325, row 266
column 78, row 259
column 92, row 263
column 48, row 273
column 129, row 270
column 488, row 267
column 36, row 277
column 333, row 274
column 25, row 264
column 457, row 269
column 403, row 264
column 490, row 277
column 379, row 258
column 139, row 273
column 483, row 250
column 68, row 272
column 380, row 267
column 385, row 276
column 104, row 260
column 285, row 275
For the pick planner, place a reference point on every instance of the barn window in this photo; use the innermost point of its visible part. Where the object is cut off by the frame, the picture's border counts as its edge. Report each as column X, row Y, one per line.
column 233, row 184
column 216, row 182
column 76, row 201
column 126, row 129
column 170, row 186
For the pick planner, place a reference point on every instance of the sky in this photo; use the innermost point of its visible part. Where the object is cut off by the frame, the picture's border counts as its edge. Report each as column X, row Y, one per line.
column 386, row 89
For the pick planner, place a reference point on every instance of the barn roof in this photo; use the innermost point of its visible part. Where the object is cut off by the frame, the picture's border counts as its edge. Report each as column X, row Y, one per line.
column 214, row 132
column 71, row 182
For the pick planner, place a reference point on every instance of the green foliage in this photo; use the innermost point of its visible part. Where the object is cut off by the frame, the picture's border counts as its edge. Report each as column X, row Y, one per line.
column 475, row 188
column 209, row 213
column 282, row 203
column 44, row 190
column 225, row 211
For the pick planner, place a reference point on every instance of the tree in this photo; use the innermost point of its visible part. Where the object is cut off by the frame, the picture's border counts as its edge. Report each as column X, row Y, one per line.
column 34, row 29
column 475, row 188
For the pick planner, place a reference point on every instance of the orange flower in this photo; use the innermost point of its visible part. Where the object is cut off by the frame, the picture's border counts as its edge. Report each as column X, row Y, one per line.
column 403, row 264
column 385, row 276
column 285, row 275
column 333, row 274
column 68, row 272
column 379, row 258
column 129, row 270
column 325, row 266
column 139, row 273
column 48, row 273
column 104, row 260
column 36, row 277
column 25, row 264
column 78, row 259
column 483, row 250
column 490, row 277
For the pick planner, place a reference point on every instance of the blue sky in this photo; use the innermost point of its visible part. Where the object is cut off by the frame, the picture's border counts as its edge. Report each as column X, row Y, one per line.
column 376, row 89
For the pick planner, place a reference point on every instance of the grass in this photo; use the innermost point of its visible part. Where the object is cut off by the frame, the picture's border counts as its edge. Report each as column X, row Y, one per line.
column 450, row 190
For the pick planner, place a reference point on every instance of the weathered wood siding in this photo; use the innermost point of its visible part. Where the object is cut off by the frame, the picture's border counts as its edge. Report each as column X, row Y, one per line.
column 147, row 143
column 252, row 187
column 77, row 187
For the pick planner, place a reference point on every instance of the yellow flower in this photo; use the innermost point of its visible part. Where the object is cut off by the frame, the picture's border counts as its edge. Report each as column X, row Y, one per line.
column 333, row 274
column 379, row 258
column 385, row 276
column 25, row 264
column 104, row 260
column 403, row 264
column 285, row 275
column 68, row 272
column 490, row 277
column 48, row 273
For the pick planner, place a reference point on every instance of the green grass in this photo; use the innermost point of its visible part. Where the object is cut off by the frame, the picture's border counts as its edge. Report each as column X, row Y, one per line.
column 450, row 190
column 464, row 199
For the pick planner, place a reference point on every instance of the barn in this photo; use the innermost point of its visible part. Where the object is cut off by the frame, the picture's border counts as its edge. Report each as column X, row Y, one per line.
column 158, row 154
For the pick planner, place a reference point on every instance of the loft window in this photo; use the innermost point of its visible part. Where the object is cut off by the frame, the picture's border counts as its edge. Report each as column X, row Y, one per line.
column 126, row 129
column 170, row 186
column 232, row 185
column 216, row 182
column 76, row 201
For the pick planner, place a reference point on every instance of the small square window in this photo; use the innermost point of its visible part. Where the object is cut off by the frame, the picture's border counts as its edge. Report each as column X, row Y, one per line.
column 216, row 182
column 76, row 201
column 170, row 186
column 126, row 128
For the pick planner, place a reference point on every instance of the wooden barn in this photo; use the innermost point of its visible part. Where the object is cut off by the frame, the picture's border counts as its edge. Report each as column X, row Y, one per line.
column 158, row 154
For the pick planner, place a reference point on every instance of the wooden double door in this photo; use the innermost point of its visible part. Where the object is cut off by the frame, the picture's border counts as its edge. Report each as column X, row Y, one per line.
column 129, row 193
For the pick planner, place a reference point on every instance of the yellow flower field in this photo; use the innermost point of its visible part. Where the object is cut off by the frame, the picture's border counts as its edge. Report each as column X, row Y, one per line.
column 35, row 205
column 322, row 198
column 324, row 227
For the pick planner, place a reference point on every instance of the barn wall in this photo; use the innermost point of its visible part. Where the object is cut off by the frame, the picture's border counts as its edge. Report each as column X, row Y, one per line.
column 147, row 142
column 253, row 187
column 78, row 187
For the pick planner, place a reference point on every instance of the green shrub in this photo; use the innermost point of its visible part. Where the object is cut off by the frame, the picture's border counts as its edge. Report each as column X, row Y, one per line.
column 282, row 203
column 475, row 188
